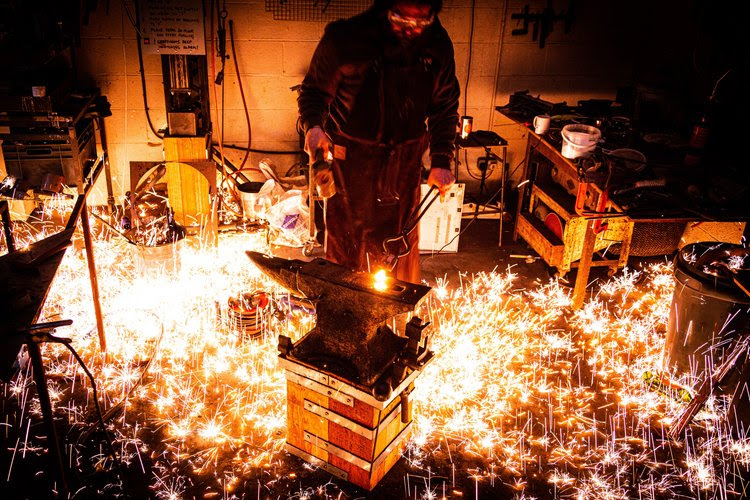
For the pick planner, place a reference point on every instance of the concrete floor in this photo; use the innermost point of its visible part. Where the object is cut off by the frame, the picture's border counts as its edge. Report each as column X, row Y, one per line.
column 478, row 251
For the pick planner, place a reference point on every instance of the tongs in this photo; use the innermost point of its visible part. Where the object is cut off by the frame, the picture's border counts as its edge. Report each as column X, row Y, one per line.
column 392, row 257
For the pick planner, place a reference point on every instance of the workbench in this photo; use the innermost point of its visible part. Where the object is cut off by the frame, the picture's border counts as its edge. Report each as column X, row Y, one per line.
column 578, row 213
column 550, row 184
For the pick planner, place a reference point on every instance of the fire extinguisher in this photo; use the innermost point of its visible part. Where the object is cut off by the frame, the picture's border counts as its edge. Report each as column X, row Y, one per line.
column 698, row 139
column 702, row 129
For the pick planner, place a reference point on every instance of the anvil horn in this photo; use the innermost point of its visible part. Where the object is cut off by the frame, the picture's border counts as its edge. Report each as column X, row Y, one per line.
column 350, row 338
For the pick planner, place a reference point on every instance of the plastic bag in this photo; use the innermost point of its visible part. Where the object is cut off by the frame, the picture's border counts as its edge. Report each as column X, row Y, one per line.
column 268, row 196
column 283, row 208
column 290, row 216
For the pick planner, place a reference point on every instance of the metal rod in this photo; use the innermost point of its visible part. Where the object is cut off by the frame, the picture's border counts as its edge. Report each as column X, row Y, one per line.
column 73, row 219
column 48, row 326
column 502, row 194
column 92, row 275
column 56, row 457
column 420, row 211
column 107, row 168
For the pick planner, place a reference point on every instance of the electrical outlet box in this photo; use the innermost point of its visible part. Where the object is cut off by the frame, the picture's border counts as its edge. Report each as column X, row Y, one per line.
column 484, row 164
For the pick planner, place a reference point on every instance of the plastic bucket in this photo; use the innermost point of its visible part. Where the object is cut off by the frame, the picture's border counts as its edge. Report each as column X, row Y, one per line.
column 707, row 313
column 579, row 140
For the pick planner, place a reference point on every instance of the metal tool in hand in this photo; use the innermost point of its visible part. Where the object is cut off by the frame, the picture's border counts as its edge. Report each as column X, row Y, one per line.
column 392, row 256
column 322, row 184
column 322, row 175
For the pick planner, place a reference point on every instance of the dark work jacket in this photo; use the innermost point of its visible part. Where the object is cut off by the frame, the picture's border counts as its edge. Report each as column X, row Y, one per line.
column 373, row 96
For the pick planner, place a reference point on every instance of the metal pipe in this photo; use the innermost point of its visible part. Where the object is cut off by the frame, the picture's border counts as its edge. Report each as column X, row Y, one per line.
column 44, row 401
column 5, row 213
column 92, row 275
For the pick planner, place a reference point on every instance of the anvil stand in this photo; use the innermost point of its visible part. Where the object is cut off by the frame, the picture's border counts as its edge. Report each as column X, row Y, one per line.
column 349, row 378
column 486, row 140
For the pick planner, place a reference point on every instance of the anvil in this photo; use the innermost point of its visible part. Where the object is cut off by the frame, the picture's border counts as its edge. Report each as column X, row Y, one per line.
column 350, row 338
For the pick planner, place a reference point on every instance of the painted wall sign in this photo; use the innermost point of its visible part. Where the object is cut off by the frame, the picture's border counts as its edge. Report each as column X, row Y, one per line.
column 172, row 27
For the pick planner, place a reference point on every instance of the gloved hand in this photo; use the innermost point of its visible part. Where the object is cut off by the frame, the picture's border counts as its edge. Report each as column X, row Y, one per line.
column 316, row 139
column 442, row 179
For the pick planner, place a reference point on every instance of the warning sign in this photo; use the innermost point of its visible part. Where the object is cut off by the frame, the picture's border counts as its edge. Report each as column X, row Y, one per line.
column 172, row 27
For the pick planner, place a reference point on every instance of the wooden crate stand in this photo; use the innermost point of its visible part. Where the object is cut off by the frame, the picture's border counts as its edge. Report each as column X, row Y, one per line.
column 343, row 429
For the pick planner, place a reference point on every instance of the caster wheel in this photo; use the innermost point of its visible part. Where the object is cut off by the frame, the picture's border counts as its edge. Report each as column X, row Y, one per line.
column 564, row 278
column 307, row 248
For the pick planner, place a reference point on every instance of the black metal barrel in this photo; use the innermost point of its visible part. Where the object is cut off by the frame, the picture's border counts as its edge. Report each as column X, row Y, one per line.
column 708, row 309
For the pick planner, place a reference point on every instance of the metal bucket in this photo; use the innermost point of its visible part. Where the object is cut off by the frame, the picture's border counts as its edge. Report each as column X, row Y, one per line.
column 708, row 312
column 249, row 195
column 159, row 260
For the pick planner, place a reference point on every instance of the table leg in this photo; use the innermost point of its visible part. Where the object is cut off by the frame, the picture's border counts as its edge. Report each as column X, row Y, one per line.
column 44, row 402
column 524, row 180
column 92, row 275
column 5, row 213
column 107, row 167
column 584, row 265
column 502, row 195
column 625, row 246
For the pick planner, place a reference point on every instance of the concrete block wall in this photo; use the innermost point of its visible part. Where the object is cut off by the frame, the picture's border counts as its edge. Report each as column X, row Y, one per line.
column 607, row 45
column 108, row 59
column 610, row 44
column 272, row 56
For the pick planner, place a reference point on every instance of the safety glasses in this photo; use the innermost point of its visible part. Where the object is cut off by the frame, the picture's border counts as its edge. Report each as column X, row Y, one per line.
column 409, row 22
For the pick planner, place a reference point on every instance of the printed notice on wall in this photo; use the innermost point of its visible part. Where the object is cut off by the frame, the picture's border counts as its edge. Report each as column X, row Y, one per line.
column 172, row 27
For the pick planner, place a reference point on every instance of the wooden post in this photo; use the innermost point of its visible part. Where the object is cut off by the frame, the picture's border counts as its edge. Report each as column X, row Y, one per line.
column 584, row 266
